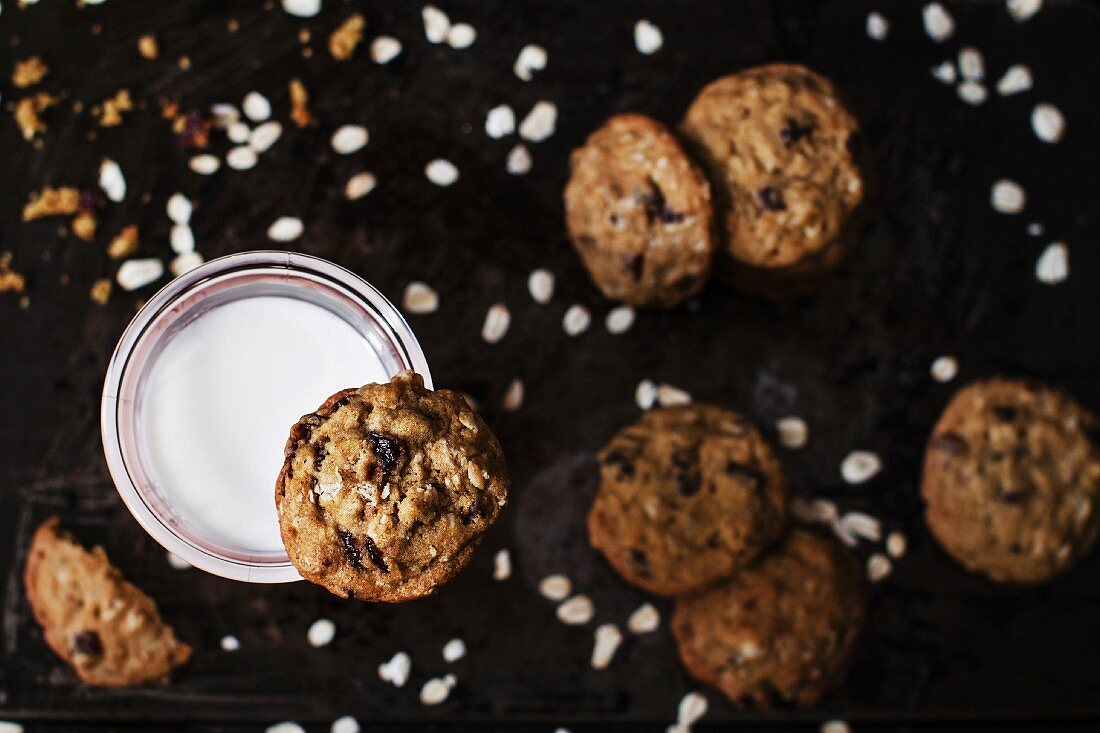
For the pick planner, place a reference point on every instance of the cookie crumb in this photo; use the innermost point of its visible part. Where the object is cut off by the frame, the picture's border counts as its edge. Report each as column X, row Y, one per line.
column 299, row 104
column 110, row 112
column 607, row 639
column 60, row 201
column 29, row 72
column 100, row 292
column 645, row 619
column 576, row 611
column 555, row 587
column 28, row 114
column 502, row 565
column 148, row 47
column 344, row 40
column 124, row 244
column 10, row 280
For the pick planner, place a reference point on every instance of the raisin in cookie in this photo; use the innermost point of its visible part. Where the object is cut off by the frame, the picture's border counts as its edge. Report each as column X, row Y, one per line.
column 783, row 631
column 1012, row 480
column 639, row 213
column 386, row 490
column 781, row 151
column 106, row 628
column 688, row 496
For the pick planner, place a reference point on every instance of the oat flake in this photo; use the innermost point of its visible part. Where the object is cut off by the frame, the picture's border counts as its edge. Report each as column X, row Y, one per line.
column 972, row 92
column 576, row 320
column 176, row 562
column 896, row 544
column 1007, row 197
column 877, row 26
column 619, row 319
column 693, row 706
column 878, row 567
column 241, row 158
column 111, row 180
column 360, row 185
column 513, row 396
column 264, row 136
column 500, row 121
column 645, row 394
column 645, row 619
column 1016, row 79
column 461, row 35
column 576, row 611
column 205, row 165
column 531, row 58
column 945, row 72
column 420, row 298
column 238, row 132
column 349, row 139
column 938, row 23
column 437, row 689
column 321, row 632
column 555, row 587
column 1022, row 10
column 607, row 639
column 1048, row 123
column 1052, row 266
column 540, row 122
column 285, row 229
column 835, row 726
column 860, row 466
column 540, row 284
column 302, row 8
column 396, row 670
column 441, row 172
column 519, row 161
column 497, row 320
column 134, row 274
column 185, row 263
column 502, row 565
column 256, row 107
column 454, row 650
column 384, row 49
column 793, row 432
column 345, row 724
column 230, row 643
column 669, row 396
column 436, row 24
column 944, row 368
column 286, row 727
column 182, row 239
column 971, row 64
column 179, row 208
column 648, row 38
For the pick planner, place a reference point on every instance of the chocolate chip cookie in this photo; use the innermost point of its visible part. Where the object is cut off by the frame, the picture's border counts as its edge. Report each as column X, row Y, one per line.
column 387, row 490
column 104, row 627
column 781, row 632
column 639, row 213
column 1012, row 480
column 687, row 496
column 782, row 152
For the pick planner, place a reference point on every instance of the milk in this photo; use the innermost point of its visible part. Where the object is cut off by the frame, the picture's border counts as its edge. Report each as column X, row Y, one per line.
column 220, row 400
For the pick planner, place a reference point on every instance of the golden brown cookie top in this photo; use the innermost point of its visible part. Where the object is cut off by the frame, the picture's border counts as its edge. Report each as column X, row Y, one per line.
column 105, row 627
column 386, row 490
column 780, row 148
column 639, row 213
column 1012, row 479
column 688, row 495
column 781, row 631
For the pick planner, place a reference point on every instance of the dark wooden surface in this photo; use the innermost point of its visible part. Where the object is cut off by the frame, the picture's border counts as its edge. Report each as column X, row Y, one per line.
column 938, row 272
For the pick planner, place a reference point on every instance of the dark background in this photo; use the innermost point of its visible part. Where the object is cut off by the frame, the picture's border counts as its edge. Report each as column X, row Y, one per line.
column 939, row 272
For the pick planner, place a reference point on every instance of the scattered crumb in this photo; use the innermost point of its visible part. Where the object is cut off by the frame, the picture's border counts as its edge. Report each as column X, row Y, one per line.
column 29, row 71
column 101, row 291
column 84, row 225
column 124, row 244
column 344, row 40
column 10, row 280
column 61, row 201
column 299, row 104
column 193, row 127
column 148, row 47
column 184, row 63
column 110, row 112
column 28, row 114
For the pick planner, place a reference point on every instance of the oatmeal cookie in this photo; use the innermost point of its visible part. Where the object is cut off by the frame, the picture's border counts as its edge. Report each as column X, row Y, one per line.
column 783, row 631
column 688, row 496
column 103, row 626
column 1012, row 480
column 782, row 153
column 639, row 213
column 387, row 490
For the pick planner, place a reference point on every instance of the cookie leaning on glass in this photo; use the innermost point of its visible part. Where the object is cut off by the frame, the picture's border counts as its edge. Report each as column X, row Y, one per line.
column 386, row 490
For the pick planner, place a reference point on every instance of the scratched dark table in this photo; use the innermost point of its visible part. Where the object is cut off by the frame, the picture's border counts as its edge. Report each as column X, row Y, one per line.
column 938, row 272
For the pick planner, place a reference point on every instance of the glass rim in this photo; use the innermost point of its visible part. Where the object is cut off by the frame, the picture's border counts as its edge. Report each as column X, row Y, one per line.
column 133, row 493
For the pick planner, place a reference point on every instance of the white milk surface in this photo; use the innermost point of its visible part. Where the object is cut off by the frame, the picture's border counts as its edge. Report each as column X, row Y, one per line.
column 220, row 401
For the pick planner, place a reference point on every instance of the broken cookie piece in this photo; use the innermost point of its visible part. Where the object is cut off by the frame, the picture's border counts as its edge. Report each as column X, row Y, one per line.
column 103, row 626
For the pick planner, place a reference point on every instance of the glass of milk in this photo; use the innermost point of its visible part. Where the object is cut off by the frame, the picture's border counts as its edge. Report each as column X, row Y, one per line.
column 206, row 382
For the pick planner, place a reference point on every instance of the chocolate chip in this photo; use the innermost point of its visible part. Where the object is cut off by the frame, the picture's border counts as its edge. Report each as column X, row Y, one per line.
column 319, row 455
column 375, row 554
column 620, row 461
column 657, row 209
column 793, row 131
column 950, row 443
column 641, row 562
column 88, row 642
column 351, row 550
column 771, row 199
column 637, row 266
column 687, row 485
column 1004, row 413
column 687, row 482
column 386, row 449
column 744, row 471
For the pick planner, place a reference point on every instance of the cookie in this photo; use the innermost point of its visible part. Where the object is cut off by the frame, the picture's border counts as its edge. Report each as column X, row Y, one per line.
column 782, row 632
column 639, row 213
column 782, row 153
column 1012, row 480
column 100, row 624
column 387, row 490
column 687, row 496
